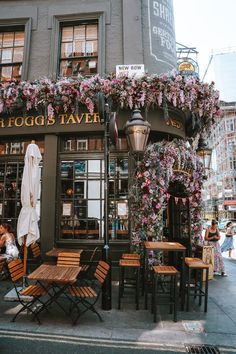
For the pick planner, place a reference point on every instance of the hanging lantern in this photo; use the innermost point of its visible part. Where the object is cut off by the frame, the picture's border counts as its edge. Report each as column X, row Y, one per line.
column 204, row 152
column 137, row 131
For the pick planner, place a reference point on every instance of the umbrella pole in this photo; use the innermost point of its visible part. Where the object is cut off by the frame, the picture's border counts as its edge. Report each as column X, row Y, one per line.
column 25, row 256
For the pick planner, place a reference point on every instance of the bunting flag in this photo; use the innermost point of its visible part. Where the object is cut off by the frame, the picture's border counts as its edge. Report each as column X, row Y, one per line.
column 181, row 199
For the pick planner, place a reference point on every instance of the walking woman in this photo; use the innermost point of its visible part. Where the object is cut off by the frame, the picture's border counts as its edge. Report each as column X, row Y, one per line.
column 212, row 235
column 228, row 244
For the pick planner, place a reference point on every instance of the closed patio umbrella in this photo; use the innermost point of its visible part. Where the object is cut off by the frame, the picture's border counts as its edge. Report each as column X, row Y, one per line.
column 27, row 225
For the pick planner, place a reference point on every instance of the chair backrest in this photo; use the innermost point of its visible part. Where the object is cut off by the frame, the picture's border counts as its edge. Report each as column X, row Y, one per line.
column 35, row 248
column 68, row 259
column 16, row 270
column 101, row 271
column 93, row 254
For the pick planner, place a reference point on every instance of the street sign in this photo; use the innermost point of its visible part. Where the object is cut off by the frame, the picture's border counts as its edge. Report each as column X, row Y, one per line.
column 133, row 70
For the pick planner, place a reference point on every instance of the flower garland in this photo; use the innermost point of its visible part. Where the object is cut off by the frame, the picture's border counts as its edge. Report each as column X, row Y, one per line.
column 165, row 163
column 185, row 93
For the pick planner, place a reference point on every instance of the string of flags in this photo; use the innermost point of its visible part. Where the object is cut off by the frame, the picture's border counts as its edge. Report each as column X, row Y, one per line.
column 181, row 199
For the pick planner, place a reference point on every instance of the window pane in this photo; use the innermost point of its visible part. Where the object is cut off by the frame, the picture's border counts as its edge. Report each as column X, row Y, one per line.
column 8, row 39
column 91, row 48
column 93, row 189
column 7, row 55
column 19, row 38
column 92, row 32
column 95, row 144
column 79, row 32
column 67, row 34
column 18, row 54
column 94, row 166
column 79, row 45
column 80, row 168
column 66, row 68
column 6, row 73
column 94, row 209
column 67, row 50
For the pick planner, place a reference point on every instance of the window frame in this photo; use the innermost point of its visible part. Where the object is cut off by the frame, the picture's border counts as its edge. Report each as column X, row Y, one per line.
column 26, row 25
column 78, row 58
column 58, row 21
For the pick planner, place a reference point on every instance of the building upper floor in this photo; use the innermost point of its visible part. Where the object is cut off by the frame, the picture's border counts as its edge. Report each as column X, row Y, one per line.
column 46, row 38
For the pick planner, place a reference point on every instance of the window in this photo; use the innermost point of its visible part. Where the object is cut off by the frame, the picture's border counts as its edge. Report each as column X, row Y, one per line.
column 232, row 162
column 79, row 49
column 230, row 125
column 82, row 199
column 11, row 54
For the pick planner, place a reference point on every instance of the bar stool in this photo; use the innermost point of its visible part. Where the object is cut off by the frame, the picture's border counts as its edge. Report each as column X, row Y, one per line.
column 195, row 288
column 159, row 275
column 124, row 265
column 131, row 256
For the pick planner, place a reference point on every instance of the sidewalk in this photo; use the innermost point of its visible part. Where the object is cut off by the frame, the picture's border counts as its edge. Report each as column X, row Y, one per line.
column 217, row 327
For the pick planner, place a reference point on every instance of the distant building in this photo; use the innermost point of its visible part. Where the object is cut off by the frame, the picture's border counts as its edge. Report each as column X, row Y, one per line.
column 220, row 188
column 225, row 73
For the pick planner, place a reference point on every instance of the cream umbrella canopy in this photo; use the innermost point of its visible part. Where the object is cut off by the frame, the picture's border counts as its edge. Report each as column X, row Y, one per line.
column 27, row 225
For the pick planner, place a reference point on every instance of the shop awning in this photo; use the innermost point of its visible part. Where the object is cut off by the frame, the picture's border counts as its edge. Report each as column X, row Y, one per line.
column 230, row 202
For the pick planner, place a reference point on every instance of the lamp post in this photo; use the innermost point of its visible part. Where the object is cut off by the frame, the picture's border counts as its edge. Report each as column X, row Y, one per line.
column 137, row 131
column 204, row 152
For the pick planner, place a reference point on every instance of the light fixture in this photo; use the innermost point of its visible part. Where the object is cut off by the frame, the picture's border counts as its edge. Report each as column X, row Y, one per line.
column 204, row 152
column 137, row 131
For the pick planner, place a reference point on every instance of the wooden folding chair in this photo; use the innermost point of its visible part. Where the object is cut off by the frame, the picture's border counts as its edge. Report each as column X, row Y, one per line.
column 68, row 259
column 88, row 295
column 85, row 268
column 16, row 271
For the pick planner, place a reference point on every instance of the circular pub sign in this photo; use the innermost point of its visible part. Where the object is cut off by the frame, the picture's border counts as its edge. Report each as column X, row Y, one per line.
column 187, row 66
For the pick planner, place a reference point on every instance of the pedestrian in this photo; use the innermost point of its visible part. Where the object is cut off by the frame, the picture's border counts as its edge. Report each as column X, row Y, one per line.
column 228, row 244
column 7, row 242
column 212, row 236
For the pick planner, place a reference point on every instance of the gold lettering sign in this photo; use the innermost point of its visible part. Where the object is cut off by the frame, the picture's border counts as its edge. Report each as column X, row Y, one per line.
column 40, row 120
column 175, row 123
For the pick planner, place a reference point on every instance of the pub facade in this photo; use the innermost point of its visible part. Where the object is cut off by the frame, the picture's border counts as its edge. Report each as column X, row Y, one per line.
column 48, row 40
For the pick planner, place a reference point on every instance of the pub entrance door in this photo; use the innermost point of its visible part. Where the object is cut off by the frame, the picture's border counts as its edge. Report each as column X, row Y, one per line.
column 178, row 217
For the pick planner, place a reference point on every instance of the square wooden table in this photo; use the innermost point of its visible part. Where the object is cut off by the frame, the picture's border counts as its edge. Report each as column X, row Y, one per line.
column 57, row 277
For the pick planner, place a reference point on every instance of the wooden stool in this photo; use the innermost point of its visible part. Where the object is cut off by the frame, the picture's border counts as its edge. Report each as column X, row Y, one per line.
column 132, row 256
column 126, row 264
column 195, row 289
column 160, row 272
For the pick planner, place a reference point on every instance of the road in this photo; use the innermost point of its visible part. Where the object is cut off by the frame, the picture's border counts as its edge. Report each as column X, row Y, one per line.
column 36, row 343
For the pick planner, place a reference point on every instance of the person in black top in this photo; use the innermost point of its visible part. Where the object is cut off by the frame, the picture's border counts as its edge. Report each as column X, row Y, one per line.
column 212, row 236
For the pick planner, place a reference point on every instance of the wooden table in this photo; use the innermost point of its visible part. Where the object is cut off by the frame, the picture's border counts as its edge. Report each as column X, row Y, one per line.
column 57, row 277
column 55, row 251
column 55, row 274
column 175, row 247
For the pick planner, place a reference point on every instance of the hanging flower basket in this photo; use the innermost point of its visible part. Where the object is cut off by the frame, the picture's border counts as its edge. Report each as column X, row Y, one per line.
column 185, row 93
